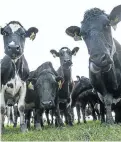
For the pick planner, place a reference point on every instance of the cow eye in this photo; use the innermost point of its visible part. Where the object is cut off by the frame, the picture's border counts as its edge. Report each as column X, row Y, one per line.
column 5, row 33
column 107, row 25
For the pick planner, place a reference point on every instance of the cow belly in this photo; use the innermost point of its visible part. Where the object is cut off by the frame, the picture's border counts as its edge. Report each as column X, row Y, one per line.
column 12, row 87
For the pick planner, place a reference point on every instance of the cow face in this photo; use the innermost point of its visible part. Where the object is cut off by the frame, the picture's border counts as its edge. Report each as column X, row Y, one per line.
column 14, row 36
column 96, row 32
column 47, row 87
column 65, row 55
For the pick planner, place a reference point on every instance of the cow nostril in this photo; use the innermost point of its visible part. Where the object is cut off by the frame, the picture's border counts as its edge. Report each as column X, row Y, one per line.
column 50, row 103
column 9, row 48
column 18, row 48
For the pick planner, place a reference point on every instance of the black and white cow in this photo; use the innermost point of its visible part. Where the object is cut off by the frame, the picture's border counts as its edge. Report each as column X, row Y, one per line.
column 42, row 88
column 14, row 67
column 65, row 55
column 105, row 54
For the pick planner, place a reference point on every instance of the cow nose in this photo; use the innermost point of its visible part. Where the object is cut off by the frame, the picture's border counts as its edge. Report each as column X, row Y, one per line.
column 14, row 47
column 67, row 60
column 47, row 103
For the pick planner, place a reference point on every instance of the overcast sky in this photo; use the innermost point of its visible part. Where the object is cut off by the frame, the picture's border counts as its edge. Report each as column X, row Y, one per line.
column 52, row 17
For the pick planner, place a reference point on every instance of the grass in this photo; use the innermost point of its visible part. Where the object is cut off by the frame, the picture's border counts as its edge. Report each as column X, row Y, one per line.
column 92, row 131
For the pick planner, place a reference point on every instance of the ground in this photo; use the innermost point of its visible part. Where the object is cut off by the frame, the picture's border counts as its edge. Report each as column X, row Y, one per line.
column 92, row 131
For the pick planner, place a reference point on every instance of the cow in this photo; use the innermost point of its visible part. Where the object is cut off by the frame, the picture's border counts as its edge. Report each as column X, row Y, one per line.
column 34, row 88
column 14, row 67
column 82, row 95
column 65, row 55
column 105, row 54
column 90, row 98
column 47, row 87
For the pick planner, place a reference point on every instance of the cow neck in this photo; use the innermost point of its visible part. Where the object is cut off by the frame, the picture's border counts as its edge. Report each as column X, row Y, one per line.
column 66, row 74
column 18, row 66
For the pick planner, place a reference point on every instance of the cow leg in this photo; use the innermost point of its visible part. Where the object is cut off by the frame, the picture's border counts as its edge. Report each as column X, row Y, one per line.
column 15, row 115
column 93, row 111
column 27, row 117
column 68, row 115
column 72, row 114
column 58, row 120
column 52, row 117
column 47, row 116
column 8, row 115
column 21, row 107
column 102, row 112
column 78, row 113
column 97, row 108
column 37, row 119
column 108, row 102
column 83, row 106
column 2, row 108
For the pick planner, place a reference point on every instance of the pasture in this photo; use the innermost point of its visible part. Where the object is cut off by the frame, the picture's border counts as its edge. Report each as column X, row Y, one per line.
column 92, row 131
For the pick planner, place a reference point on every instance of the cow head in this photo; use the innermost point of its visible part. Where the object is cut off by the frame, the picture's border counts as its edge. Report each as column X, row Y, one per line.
column 47, row 86
column 14, row 35
column 65, row 55
column 96, row 32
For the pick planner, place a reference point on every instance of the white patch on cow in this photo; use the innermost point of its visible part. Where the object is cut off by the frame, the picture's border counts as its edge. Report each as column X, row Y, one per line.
column 12, row 43
column 17, row 84
column 15, row 60
column 65, row 49
column 21, row 102
column 14, row 27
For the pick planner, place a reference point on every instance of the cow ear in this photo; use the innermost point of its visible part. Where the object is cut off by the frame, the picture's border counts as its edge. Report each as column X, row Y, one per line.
column 31, row 33
column 54, row 53
column 115, row 16
column 78, row 78
column 74, row 32
column 75, row 50
column 1, row 30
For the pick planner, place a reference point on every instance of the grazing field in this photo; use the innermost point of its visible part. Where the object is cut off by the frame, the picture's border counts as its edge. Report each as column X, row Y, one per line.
column 92, row 131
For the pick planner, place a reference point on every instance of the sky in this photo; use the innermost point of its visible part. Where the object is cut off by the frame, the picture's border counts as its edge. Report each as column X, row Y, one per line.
column 52, row 17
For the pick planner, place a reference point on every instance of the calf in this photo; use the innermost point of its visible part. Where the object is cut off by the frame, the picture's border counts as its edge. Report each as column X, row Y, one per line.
column 14, row 68
column 47, row 90
column 87, row 97
column 32, row 99
column 65, row 55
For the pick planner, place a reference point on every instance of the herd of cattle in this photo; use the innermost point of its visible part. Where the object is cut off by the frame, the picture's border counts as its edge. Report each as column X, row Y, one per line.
column 54, row 93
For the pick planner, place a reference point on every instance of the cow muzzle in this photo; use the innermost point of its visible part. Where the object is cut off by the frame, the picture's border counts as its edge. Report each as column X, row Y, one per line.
column 10, row 102
column 14, row 51
column 47, row 104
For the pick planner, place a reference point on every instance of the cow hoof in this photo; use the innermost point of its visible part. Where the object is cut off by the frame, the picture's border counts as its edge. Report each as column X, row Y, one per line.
column 2, row 130
column 110, row 122
column 23, row 128
column 15, row 125
column 78, row 123
column 38, row 126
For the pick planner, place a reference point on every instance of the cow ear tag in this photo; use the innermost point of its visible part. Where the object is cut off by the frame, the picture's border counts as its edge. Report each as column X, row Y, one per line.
column 60, row 84
column 32, row 36
column 30, row 86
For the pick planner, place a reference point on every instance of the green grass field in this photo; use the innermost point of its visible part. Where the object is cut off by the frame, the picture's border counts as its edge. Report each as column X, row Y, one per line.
column 92, row 131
